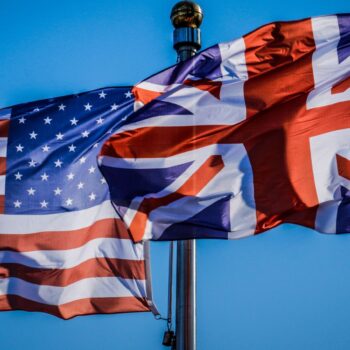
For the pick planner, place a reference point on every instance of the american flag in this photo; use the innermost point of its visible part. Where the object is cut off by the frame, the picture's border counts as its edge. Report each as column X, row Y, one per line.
column 243, row 137
column 63, row 248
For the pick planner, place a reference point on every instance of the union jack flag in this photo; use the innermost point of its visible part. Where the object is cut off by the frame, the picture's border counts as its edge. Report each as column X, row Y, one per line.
column 243, row 137
column 63, row 248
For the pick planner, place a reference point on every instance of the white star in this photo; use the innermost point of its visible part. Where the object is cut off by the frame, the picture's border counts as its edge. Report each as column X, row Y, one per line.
column 96, row 145
column 99, row 120
column 128, row 94
column 69, row 201
column 92, row 196
column 72, row 148
column 82, row 160
column 102, row 94
column 33, row 135
column 47, row 120
column 85, row 133
column 92, row 170
column 80, row 185
column 19, row 148
column 59, row 136
column 31, row 191
column 88, row 107
column 32, row 163
column 74, row 121
column 36, row 109
column 103, row 180
column 57, row 191
column 58, row 163
column 18, row 176
column 17, row 204
column 70, row 176
column 44, row 177
column 44, row 204
column 45, row 148
column 114, row 107
column 61, row 107
column 22, row 120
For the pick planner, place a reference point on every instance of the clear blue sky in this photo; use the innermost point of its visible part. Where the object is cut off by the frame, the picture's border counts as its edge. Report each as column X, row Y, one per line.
column 285, row 289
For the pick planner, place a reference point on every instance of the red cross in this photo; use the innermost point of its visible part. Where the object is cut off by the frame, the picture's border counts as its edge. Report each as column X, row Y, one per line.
column 276, row 132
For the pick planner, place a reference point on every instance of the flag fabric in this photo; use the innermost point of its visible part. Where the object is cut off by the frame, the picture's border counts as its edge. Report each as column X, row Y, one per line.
column 63, row 248
column 243, row 137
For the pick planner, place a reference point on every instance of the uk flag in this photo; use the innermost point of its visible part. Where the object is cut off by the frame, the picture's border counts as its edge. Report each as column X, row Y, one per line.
column 243, row 137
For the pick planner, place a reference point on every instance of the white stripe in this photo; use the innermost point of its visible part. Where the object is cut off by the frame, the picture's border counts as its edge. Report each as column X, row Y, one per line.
column 102, row 287
column 153, row 87
column 5, row 113
column 25, row 224
column 113, row 248
column 327, row 70
column 205, row 108
column 2, row 185
column 327, row 179
column 3, row 146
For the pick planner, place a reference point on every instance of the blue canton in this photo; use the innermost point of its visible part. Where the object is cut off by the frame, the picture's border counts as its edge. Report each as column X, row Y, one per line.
column 52, row 151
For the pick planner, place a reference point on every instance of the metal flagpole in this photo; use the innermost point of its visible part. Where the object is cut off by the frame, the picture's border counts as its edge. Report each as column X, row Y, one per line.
column 186, row 17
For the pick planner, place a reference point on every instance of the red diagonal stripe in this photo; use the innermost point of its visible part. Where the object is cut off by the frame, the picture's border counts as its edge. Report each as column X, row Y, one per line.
column 145, row 96
column 343, row 166
column 341, row 86
column 213, row 87
column 209, row 169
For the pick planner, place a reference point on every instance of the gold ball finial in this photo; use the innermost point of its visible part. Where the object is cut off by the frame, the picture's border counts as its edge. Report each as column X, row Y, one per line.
column 186, row 14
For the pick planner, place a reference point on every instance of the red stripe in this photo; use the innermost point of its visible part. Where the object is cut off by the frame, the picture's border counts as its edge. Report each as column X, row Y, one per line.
column 99, row 267
column 279, row 64
column 2, row 204
column 165, row 141
column 78, row 307
column 210, row 168
column 55, row 240
column 343, row 166
column 4, row 127
column 2, row 166
column 278, row 58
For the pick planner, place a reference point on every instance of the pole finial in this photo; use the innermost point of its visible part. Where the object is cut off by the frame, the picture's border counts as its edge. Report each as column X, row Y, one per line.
column 186, row 17
column 186, row 14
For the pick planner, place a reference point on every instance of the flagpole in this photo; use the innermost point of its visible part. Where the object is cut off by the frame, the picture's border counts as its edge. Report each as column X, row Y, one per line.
column 186, row 18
